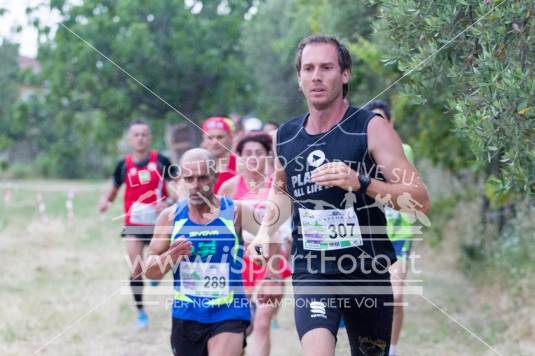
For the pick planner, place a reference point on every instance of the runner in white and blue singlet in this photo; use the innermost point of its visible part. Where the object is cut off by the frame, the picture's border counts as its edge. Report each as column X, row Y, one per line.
column 200, row 238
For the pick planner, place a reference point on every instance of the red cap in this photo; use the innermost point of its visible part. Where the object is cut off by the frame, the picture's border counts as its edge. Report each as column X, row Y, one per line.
column 218, row 122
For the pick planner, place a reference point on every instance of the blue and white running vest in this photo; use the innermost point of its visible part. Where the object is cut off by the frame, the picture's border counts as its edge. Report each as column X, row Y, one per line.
column 208, row 285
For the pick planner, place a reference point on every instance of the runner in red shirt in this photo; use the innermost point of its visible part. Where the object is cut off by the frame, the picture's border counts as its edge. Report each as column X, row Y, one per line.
column 143, row 171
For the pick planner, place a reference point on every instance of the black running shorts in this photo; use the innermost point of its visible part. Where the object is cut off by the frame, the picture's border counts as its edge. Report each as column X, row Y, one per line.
column 364, row 301
column 142, row 233
column 190, row 338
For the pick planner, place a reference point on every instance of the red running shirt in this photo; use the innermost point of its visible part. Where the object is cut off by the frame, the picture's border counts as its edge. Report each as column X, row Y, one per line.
column 144, row 187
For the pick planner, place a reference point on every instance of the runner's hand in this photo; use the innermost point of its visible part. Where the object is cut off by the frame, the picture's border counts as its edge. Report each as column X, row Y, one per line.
column 160, row 206
column 336, row 174
column 103, row 206
column 180, row 247
column 260, row 249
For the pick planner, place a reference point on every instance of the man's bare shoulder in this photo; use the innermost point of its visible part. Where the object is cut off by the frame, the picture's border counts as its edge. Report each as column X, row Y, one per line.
column 381, row 134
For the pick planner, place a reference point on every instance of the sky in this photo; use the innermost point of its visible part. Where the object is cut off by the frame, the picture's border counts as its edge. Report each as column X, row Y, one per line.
column 16, row 15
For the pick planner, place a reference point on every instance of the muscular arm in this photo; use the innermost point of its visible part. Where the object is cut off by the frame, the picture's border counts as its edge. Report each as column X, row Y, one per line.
column 401, row 176
column 163, row 255
column 384, row 147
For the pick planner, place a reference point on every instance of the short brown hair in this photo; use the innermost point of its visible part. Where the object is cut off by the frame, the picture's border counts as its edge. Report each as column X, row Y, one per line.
column 261, row 137
column 139, row 122
column 344, row 58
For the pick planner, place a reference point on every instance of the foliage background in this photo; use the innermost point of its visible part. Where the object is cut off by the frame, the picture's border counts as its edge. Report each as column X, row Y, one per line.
column 464, row 99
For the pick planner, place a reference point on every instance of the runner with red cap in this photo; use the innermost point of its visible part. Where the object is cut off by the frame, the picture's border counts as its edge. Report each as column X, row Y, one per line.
column 217, row 139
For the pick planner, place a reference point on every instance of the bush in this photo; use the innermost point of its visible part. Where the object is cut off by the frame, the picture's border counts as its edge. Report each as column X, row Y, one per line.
column 472, row 62
column 511, row 257
column 20, row 171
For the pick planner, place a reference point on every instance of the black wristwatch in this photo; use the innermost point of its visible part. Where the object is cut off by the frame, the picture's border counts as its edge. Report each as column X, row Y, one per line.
column 364, row 181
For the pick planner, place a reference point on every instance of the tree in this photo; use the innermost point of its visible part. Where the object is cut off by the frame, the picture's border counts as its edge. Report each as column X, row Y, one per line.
column 270, row 40
column 482, row 81
column 9, row 93
column 186, row 52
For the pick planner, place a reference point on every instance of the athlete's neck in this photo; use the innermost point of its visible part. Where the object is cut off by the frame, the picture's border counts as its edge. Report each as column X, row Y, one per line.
column 204, row 213
column 254, row 179
column 140, row 155
column 321, row 120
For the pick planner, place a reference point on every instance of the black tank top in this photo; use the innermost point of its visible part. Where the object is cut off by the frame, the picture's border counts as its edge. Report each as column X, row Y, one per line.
column 325, row 234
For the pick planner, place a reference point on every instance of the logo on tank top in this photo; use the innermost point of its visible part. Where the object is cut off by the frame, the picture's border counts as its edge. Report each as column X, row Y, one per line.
column 316, row 158
column 144, row 177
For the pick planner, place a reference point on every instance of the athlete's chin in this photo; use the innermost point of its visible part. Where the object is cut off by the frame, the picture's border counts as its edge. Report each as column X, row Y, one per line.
column 218, row 151
column 253, row 167
column 194, row 199
column 141, row 148
column 319, row 104
column 198, row 200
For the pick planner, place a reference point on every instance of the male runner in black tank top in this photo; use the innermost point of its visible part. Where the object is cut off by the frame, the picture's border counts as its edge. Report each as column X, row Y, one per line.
column 336, row 167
